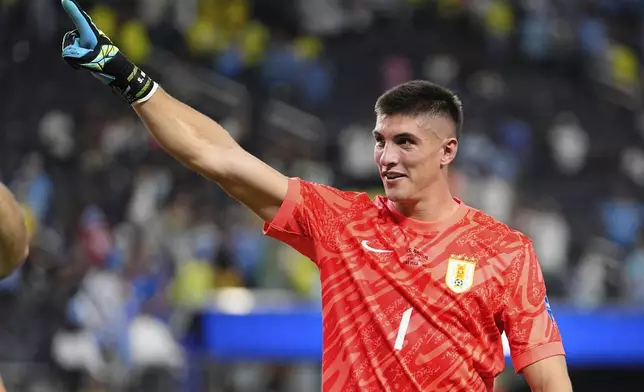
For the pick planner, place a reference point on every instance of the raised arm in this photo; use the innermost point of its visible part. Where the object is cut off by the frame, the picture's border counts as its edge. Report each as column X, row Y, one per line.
column 192, row 138
column 205, row 147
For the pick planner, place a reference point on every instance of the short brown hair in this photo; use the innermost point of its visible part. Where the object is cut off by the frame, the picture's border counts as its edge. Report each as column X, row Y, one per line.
column 13, row 233
column 420, row 98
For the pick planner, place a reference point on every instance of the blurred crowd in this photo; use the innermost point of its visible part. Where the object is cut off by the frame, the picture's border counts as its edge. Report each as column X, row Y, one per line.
column 127, row 242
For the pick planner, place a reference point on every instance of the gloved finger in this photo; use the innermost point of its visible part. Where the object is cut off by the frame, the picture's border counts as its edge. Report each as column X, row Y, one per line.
column 86, row 29
column 76, row 53
column 72, row 51
column 70, row 38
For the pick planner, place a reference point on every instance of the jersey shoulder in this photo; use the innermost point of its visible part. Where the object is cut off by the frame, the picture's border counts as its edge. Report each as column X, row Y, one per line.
column 336, row 204
column 328, row 192
column 497, row 239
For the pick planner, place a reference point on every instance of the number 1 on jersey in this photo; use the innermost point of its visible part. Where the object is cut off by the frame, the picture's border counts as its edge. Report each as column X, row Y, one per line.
column 402, row 329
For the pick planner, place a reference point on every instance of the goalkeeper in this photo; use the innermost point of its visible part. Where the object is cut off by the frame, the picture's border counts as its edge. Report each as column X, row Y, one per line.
column 367, row 247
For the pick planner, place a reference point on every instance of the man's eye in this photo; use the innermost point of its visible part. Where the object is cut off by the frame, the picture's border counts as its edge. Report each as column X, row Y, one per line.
column 380, row 143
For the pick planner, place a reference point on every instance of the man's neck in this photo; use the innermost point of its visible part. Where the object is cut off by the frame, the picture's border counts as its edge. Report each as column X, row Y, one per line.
column 435, row 207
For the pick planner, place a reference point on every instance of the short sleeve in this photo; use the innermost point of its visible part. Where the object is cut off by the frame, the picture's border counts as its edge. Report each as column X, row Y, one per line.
column 529, row 323
column 310, row 214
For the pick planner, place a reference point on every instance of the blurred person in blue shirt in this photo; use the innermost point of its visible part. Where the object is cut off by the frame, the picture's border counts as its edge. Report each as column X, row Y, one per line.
column 593, row 36
column 622, row 217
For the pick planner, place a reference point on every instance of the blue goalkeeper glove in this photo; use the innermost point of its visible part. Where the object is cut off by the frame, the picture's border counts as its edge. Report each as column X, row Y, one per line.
column 88, row 48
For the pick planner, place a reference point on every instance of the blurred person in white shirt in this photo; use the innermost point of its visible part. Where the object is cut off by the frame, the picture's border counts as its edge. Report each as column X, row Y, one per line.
column 550, row 235
column 634, row 273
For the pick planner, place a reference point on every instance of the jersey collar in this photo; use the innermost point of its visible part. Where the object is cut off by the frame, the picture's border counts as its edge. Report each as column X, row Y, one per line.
column 417, row 225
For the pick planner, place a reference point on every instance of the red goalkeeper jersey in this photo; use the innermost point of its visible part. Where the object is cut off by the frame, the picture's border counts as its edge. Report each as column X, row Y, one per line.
column 415, row 306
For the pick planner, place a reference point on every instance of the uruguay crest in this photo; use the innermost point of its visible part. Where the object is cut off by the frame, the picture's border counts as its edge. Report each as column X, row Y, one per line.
column 460, row 273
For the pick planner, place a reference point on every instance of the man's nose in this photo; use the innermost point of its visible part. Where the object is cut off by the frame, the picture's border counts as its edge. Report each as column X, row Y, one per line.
column 389, row 156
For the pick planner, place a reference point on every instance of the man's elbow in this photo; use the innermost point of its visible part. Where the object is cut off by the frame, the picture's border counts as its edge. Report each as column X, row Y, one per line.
column 559, row 384
column 548, row 375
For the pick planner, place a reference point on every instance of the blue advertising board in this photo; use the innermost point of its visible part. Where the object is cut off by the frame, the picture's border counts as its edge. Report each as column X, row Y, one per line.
column 607, row 337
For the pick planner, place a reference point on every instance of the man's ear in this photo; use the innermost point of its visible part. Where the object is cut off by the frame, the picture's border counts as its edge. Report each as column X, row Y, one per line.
column 450, row 148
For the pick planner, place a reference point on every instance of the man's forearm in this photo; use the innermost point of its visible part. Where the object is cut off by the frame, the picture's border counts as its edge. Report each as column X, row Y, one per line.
column 561, row 384
column 183, row 132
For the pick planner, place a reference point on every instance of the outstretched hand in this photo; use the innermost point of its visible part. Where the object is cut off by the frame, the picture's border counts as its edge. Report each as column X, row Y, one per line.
column 88, row 33
column 88, row 48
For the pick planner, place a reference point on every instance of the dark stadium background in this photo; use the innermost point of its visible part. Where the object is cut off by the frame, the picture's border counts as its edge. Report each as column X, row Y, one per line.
column 137, row 262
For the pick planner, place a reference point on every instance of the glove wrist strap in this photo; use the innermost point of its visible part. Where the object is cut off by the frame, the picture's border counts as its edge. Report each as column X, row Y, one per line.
column 130, row 82
column 134, row 87
column 148, row 95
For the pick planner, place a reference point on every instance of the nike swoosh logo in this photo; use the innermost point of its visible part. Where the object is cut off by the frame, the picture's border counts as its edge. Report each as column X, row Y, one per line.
column 365, row 244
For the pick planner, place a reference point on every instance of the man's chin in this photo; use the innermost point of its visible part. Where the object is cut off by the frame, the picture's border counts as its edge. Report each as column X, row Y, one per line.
column 394, row 195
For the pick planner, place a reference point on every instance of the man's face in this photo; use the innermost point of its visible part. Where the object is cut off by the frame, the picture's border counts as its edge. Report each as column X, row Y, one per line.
column 410, row 153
